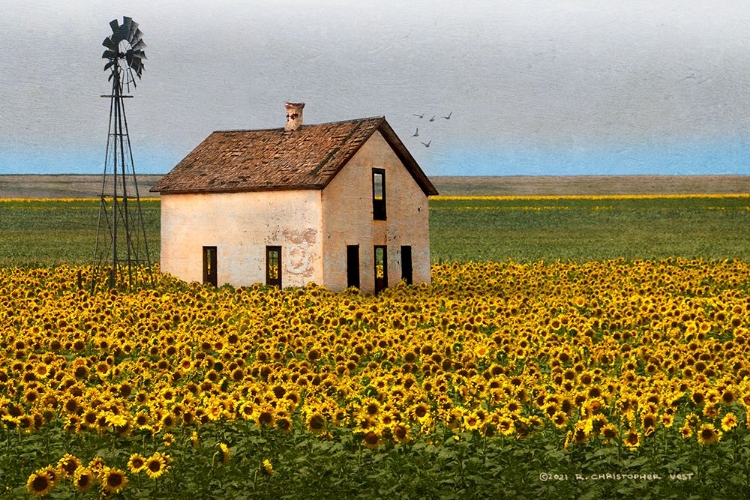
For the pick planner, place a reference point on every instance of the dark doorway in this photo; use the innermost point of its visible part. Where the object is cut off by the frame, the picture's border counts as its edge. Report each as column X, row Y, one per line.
column 273, row 266
column 406, row 269
column 381, row 268
column 352, row 265
column 209, row 266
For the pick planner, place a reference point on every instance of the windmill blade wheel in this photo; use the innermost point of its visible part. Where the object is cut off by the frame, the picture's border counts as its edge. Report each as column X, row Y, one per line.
column 125, row 49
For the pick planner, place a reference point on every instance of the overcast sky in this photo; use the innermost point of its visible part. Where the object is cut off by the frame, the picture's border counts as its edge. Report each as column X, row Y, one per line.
column 534, row 87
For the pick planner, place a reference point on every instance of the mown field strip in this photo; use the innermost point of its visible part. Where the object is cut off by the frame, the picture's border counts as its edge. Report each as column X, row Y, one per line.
column 583, row 228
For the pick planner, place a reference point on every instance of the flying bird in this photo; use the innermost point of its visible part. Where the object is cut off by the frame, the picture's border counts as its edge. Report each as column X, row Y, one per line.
column 433, row 118
column 419, row 116
column 449, row 116
column 416, row 134
column 427, row 144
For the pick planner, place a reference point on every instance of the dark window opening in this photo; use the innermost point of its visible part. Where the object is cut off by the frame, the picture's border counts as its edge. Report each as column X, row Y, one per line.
column 378, row 194
column 406, row 268
column 209, row 266
column 273, row 266
column 381, row 268
column 352, row 265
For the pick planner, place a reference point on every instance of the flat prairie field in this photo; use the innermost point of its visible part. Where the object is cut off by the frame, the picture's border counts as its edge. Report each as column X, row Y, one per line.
column 90, row 186
column 48, row 232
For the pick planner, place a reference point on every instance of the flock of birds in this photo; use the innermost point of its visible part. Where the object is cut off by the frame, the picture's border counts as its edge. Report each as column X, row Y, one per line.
column 421, row 117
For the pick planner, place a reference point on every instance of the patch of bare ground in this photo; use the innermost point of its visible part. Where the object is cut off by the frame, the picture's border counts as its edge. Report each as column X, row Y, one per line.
column 90, row 186
column 591, row 185
column 64, row 186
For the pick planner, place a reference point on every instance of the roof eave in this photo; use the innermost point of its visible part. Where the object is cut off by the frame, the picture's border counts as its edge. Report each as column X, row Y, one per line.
column 407, row 159
column 241, row 189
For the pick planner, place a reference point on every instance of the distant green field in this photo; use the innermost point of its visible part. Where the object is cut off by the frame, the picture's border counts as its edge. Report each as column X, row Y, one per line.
column 40, row 233
column 53, row 232
column 589, row 228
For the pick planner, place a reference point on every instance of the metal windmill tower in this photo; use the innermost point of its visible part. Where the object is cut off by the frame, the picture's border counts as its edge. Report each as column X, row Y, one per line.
column 121, row 256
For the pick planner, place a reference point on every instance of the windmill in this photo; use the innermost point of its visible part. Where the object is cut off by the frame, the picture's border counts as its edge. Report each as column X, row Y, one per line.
column 121, row 250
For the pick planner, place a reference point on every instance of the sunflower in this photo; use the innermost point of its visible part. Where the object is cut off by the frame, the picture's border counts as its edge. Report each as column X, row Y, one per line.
column 667, row 419
column 142, row 420
column 168, row 420
column 708, row 434
column 686, row 431
column 513, row 406
column 156, row 465
column 267, row 467
column 692, row 420
column 113, row 480
column 247, row 410
column 371, row 407
column 593, row 406
column 506, row 426
column 265, row 416
column 372, row 439
column 71, row 405
column 142, row 397
column 609, row 432
column 39, row 483
column 582, row 431
column 729, row 422
column 471, row 421
column 550, row 409
column 698, row 398
column 168, row 439
column 386, row 419
column 401, row 433
column 649, row 421
column 481, row 351
column 420, row 412
column 31, row 396
column 560, row 419
column 83, row 479
column 41, row 370
column 284, row 424
column 67, row 465
column 136, row 463
column 632, row 439
column 224, row 452
column 89, row 418
column 316, row 422
column 728, row 397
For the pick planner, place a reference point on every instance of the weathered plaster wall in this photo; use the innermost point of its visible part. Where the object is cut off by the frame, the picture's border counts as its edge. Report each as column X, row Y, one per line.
column 240, row 225
column 348, row 218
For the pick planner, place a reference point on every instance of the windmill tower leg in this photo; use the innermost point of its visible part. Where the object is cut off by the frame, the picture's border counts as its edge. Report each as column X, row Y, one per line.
column 121, row 241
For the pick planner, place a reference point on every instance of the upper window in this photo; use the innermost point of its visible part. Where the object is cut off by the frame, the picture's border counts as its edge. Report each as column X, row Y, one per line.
column 378, row 194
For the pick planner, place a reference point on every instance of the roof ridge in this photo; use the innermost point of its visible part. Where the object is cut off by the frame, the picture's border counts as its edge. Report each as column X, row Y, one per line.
column 238, row 130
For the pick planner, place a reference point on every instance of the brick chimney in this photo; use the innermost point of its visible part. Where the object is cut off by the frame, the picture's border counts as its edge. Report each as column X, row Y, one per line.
column 293, row 115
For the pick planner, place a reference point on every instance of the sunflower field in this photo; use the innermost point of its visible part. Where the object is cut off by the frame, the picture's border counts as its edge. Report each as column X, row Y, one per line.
column 599, row 379
column 568, row 347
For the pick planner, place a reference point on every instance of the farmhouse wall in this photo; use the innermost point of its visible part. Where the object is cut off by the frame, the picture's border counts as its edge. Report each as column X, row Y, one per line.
column 348, row 218
column 240, row 226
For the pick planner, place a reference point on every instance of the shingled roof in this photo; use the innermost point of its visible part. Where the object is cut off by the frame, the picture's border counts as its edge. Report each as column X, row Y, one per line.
column 275, row 159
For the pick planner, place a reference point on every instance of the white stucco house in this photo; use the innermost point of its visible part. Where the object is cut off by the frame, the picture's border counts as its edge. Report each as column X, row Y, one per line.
column 339, row 204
